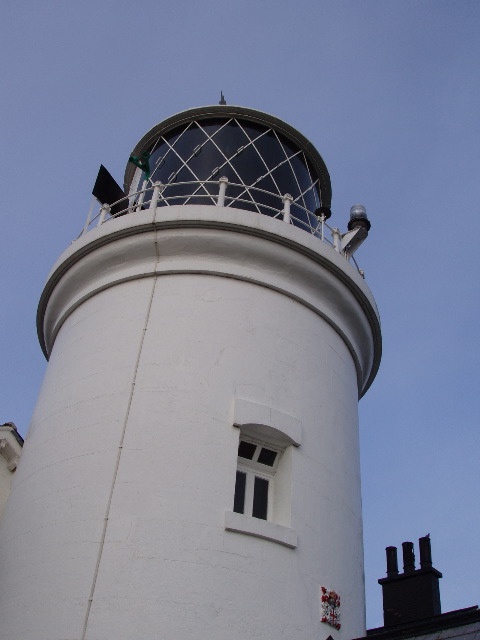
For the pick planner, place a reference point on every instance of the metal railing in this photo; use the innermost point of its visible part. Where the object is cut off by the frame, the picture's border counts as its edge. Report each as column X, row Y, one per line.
column 149, row 197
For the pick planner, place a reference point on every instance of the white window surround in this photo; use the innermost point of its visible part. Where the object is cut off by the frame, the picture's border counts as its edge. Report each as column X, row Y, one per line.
column 268, row 426
column 260, row 529
column 262, row 422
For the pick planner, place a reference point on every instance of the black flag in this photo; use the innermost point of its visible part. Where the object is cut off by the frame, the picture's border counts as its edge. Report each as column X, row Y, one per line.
column 107, row 191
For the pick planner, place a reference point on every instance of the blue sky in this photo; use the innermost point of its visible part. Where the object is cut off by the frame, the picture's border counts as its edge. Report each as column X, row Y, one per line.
column 388, row 92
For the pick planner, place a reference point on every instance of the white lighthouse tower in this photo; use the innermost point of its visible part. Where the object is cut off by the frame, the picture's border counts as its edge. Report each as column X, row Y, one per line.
column 192, row 466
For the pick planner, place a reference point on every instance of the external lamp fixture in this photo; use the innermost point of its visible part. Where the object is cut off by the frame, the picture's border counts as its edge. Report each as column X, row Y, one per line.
column 358, row 228
column 358, row 218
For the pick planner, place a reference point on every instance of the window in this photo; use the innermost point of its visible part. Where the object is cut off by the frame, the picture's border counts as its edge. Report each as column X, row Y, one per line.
column 262, row 502
column 256, row 466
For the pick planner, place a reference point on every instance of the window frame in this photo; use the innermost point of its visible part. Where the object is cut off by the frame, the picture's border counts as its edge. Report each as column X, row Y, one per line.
column 254, row 469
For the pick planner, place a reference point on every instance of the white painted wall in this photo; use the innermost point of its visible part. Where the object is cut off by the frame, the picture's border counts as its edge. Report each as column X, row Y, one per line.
column 159, row 325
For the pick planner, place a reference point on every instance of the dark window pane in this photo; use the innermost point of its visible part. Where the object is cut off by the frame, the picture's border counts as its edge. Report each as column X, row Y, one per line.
column 249, row 166
column 176, row 133
column 207, row 158
column 252, row 129
column 301, row 217
column 270, row 150
column 246, row 449
column 267, row 184
column 239, row 499
column 283, row 176
column 186, row 144
column 267, row 456
column 211, row 125
column 230, row 138
column 174, row 192
column 184, row 175
column 272, row 204
column 300, row 170
column 163, row 162
column 260, row 498
column 241, row 197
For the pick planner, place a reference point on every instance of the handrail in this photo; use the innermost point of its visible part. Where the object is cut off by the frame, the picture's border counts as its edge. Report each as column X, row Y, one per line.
column 137, row 201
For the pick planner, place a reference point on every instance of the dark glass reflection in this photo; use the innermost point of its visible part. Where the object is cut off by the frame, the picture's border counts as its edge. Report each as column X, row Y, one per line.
column 267, row 456
column 239, row 499
column 246, row 450
column 260, row 498
column 260, row 164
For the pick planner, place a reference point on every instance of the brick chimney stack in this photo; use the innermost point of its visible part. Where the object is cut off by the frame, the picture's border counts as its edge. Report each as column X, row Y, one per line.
column 414, row 594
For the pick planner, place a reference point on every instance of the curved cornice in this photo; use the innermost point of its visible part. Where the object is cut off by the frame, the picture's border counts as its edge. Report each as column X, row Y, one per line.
column 224, row 242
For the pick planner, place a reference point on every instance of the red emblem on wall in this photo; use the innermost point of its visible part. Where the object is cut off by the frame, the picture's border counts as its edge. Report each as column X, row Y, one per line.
column 330, row 607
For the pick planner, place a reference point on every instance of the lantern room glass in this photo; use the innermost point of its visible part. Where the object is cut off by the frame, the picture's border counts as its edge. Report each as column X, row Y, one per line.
column 261, row 165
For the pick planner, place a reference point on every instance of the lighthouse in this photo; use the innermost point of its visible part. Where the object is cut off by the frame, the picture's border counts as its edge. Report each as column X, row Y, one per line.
column 192, row 466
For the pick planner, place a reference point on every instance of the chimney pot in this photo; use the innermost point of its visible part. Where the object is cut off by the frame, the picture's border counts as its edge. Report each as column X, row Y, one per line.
column 408, row 557
column 392, row 561
column 425, row 552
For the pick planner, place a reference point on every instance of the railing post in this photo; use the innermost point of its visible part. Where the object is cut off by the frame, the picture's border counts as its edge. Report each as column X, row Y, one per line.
column 155, row 196
column 337, row 238
column 103, row 214
column 89, row 217
column 141, row 197
column 322, row 222
column 287, row 201
column 223, row 181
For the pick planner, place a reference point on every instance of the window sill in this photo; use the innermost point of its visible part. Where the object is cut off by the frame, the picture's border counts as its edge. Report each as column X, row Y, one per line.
column 260, row 529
